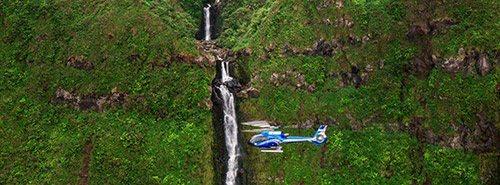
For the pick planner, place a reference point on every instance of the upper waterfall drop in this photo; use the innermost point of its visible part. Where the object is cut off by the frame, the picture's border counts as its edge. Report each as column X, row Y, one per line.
column 206, row 13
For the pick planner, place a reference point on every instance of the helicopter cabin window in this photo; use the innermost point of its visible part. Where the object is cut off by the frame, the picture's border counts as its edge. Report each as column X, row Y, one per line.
column 258, row 139
column 262, row 138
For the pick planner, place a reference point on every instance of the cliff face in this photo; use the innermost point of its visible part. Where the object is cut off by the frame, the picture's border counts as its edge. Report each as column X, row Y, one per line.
column 425, row 72
column 119, row 92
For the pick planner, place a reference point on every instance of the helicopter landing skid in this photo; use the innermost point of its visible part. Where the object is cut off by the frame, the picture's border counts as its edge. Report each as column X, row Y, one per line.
column 272, row 149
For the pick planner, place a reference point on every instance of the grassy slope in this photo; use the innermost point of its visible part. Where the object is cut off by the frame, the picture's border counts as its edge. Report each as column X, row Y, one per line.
column 161, row 134
column 374, row 153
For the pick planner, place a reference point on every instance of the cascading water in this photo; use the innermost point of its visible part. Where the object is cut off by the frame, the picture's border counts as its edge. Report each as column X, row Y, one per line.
column 230, row 126
column 206, row 13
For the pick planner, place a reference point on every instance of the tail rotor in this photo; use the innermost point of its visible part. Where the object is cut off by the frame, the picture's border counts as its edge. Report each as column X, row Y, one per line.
column 320, row 136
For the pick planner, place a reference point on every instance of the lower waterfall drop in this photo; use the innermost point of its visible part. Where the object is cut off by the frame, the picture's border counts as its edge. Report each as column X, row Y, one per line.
column 230, row 126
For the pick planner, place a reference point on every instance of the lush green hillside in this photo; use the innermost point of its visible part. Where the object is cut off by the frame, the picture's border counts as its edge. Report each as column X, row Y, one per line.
column 402, row 79
column 117, row 92
column 126, row 66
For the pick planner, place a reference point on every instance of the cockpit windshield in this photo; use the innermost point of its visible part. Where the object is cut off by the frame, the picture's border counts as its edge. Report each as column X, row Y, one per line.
column 258, row 138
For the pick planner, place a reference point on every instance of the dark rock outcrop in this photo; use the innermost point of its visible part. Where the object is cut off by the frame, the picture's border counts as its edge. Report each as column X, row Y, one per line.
column 465, row 62
column 311, row 89
column 250, row 92
column 420, row 65
column 353, row 40
column 87, row 103
column 330, row 121
column 425, row 28
column 341, row 22
column 234, row 85
column 80, row 63
column 290, row 78
column 421, row 29
column 355, row 77
column 483, row 137
column 440, row 25
column 483, row 65
column 321, row 47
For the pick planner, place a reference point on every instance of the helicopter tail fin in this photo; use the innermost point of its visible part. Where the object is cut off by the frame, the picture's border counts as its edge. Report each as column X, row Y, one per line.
column 320, row 136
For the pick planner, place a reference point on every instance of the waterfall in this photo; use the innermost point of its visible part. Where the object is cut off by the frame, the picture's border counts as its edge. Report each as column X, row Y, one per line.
column 230, row 126
column 206, row 12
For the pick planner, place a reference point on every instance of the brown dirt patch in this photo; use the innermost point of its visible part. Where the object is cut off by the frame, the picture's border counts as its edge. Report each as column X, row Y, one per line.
column 84, row 175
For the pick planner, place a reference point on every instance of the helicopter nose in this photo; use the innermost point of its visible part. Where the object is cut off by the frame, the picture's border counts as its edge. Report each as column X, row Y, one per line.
column 250, row 143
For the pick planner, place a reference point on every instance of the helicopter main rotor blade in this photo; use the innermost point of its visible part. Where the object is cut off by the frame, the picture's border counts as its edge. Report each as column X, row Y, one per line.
column 258, row 130
column 262, row 124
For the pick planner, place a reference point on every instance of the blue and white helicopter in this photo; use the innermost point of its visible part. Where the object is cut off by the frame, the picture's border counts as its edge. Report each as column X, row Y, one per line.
column 270, row 140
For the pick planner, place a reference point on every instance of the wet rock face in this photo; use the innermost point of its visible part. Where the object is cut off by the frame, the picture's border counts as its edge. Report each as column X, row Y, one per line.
column 80, row 63
column 87, row 103
column 233, row 85
column 213, row 53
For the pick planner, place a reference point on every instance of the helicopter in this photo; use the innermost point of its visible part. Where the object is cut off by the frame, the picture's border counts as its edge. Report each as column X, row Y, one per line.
column 270, row 141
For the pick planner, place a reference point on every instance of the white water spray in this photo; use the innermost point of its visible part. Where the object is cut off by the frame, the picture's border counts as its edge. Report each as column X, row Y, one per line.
column 206, row 12
column 230, row 126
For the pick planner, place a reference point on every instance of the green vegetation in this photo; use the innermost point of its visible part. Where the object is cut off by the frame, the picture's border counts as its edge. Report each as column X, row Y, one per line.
column 365, row 156
column 408, row 121
column 377, row 141
column 160, row 134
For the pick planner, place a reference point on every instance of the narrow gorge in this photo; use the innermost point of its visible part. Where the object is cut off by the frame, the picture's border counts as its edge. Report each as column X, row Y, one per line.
column 223, row 89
